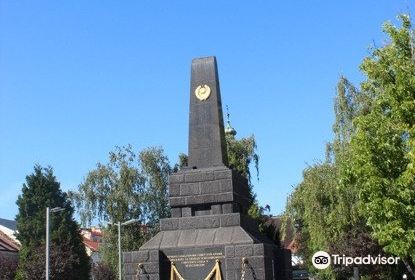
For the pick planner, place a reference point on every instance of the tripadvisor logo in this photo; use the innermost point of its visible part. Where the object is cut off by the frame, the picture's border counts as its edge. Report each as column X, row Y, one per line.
column 322, row 260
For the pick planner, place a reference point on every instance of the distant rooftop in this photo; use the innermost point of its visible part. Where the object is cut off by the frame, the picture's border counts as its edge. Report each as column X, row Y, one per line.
column 11, row 224
column 8, row 244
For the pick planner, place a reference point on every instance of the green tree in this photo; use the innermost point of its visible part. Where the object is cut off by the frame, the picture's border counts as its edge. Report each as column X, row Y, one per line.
column 310, row 205
column 8, row 267
column 68, row 259
column 129, row 186
column 113, row 191
column 382, row 158
column 241, row 155
column 101, row 271
column 155, row 171
column 325, row 205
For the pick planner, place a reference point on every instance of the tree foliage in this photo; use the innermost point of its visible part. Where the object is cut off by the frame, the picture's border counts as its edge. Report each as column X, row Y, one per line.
column 101, row 271
column 242, row 153
column 155, row 171
column 360, row 200
column 113, row 191
column 62, row 262
column 311, row 205
column 129, row 186
column 242, row 157
column 383, row 147
column 8, row 267
column 325, row 205
column 68, row 259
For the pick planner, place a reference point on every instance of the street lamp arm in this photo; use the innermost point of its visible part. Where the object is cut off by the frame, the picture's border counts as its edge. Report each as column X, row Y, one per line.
column 130, row 222
column 57, row 209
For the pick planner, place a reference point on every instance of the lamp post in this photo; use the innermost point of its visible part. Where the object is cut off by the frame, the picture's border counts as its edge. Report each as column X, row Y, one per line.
column 48, row 210
column 119, row 224
column 404, row 277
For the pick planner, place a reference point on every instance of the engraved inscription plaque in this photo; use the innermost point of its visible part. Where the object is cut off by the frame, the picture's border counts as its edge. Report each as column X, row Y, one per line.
column 191, row 263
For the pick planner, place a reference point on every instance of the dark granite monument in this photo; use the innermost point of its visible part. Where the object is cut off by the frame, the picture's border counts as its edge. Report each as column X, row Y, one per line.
column 209, row 235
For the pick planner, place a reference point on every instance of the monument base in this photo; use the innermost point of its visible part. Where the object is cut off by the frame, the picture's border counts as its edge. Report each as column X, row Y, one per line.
column 200, row 246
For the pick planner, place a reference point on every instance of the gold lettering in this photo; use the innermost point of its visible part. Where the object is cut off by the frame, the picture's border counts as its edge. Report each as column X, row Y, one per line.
column 195, row 260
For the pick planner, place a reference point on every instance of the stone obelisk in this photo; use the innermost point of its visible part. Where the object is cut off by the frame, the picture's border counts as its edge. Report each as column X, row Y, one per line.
column 209, row 234
column 207, row 147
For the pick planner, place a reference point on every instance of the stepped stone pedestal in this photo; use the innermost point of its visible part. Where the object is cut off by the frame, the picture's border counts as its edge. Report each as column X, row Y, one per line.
column 209, row 234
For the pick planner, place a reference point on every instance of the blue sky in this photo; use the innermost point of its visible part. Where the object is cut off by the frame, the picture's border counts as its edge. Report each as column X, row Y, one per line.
column 80, row 77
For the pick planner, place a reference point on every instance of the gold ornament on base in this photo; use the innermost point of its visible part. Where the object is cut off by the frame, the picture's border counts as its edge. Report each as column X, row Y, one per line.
column 215, row 274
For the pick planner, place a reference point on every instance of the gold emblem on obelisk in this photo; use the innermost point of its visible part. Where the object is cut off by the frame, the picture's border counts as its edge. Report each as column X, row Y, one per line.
column 202, row 92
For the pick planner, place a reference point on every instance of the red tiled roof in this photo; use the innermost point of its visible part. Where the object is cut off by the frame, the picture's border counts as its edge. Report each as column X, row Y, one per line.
column 96, row 232
column 93, row 245
column 91, row 238
column 8, row 244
